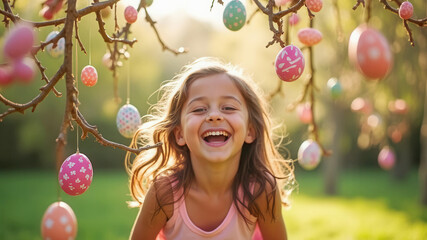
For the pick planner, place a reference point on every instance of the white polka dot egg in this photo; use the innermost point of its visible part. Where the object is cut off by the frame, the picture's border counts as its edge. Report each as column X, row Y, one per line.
column 128, row 120
column 89, row 76
column 75, row 175
column 59, row 222
column 58, row 50
column 309, row 154
column 289, row 63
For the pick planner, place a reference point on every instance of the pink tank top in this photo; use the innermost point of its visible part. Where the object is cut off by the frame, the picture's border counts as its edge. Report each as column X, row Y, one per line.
column 233, row 227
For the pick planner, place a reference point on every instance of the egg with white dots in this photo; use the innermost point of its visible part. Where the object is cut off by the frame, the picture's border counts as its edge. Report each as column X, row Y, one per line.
column 289, row 63
column 59, row 222
column 128, row 120
column 89, row 76
column 75, row 174
column 58, row 50
column 234, row 16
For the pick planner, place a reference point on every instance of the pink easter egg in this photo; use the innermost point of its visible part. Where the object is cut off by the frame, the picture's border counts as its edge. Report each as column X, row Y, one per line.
column 75, row 175
column 406, row 10
column 304, row 112
column 289, row 63
column 23, row 70
column 370, row 52
column 314, row 5
column 89, row 76
column 386, row 158
column 294, row 19
column 19, row 41
column 59, row 222
column 128, row 120
column 5, row 76
column 309, row 36
column 131, row 14
column 309, row 154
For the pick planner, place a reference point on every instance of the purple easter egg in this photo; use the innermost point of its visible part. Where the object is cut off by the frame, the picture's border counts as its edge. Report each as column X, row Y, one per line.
column 289, row 63
column 75, row 175
column 386, row 158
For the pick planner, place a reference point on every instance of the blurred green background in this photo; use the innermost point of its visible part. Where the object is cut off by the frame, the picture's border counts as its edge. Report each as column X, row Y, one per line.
column 347, row 197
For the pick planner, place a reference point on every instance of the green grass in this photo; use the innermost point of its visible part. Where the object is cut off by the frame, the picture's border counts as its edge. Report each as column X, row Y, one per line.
column 370, row 206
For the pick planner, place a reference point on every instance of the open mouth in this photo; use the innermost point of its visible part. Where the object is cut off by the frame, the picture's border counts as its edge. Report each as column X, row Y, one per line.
column 216, row 136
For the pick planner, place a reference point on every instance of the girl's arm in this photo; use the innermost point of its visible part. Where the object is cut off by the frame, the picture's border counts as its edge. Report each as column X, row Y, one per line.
column 271, row 228
column 148, row 223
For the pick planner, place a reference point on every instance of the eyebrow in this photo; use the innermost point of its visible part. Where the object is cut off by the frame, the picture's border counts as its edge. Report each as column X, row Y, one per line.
column 222, row 97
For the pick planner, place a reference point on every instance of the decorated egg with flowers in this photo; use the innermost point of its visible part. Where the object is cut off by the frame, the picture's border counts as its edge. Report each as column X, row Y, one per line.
column 314, row 5
column 89, row 76
column 309, row 36
column 234, row 16
column 309, row 154
column 59, row 222
column 131, row 14
column 76, row 174
column 386, row 158
column 128, row 120
column 58, row 50
column 19, row 41
column 289, row 63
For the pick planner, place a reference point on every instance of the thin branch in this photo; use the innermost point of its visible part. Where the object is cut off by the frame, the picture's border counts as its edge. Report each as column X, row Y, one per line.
column 358, row 3
column 82, row 47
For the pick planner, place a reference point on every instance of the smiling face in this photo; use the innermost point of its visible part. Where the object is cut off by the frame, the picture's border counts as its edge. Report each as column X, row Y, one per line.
column 214, row 120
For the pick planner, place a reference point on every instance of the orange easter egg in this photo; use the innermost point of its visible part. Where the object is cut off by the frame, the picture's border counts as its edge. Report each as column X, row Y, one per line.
column 309, row 36
column 59, row 222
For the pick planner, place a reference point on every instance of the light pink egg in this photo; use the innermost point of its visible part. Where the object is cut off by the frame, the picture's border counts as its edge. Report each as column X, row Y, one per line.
column 75, row 175
column 19, row 41
column 23, row 70
column 289, row 63
column 406, row 10
column 370, row 52
column 131, row 14
column 309, row 36
column 309, row 154
column 314, row 5
column 294, row 19
column 5, row 76
column 128, row 120
column 386, row 158
column 59, row 222
column 89, row 76
column 304, row 112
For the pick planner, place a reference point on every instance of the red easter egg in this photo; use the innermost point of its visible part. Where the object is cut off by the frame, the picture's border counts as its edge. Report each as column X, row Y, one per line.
column 289, row 63
column 5, row 76
column 89, row 76
column 294, row 19
column 59, row 222
column 314, row 5
column 23, row 70
column 386, row 158
column 19, row 41
column 370, row 52
column 406, row 10
column 304, row 112
column 131, row 14
column 309, row 36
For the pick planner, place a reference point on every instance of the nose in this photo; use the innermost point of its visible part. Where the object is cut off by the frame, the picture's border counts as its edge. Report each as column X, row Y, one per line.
column 214, row 116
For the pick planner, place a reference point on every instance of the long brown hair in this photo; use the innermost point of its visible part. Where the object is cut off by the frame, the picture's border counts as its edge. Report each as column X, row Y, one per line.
column 260, row 163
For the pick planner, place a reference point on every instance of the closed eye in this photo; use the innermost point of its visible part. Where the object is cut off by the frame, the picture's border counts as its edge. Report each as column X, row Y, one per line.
column 198, row 110
column 229, row 108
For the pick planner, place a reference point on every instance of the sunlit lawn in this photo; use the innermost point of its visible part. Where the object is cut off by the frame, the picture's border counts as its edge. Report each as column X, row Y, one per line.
column 371, row 206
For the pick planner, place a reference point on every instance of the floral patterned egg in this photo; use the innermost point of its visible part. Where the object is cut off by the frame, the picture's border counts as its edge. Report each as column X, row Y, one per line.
column 19, row 41
column 309, row 36
column 386, row 158
column 60, row 45
column 131, row 14
column 406, row 10
column 75, row 175
column 369, row 51
column 89, row 76
column 294, row 19
column 128, row 120
column 309, row 154
column 59, row 222
column 314, row 5
column 234, row 16
column 304, row 112
column 289, row 63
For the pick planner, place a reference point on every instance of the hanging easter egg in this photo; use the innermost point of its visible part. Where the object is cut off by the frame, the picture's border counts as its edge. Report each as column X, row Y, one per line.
column 234, row 16
column 309, row 36
column 334, row 87
column 147, row 2
column 289, row 63
column 314, row 5
column 304, row 112
column 309, row 154
column 75, row 175
column 361, row 105
column 19, row 41
column 294, row 19
column 89, row 76
column 59, row 222
column 128, row 120
column 5, row 76
column 23, row 70
column 131, row 14
column 51, row 7
column 406, row 10
column 58, row 50
column 369, row 51
column 386, row 158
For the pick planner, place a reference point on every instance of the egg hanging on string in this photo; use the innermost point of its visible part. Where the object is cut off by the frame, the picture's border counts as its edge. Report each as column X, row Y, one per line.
column 289, row 63
column 128, row 120
column 131, row 14
column 309, row 154
column 314, row 5
column 59, row 222
column 406, row 10
column 89, row 76
column 58, row 50
column 309, row 36
column 75, row 174
column 234, row 16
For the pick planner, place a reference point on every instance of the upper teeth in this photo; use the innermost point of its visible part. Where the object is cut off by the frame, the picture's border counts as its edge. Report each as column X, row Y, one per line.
column 215, row 133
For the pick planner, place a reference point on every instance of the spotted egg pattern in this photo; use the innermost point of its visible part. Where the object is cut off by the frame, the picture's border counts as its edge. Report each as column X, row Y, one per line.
column 309, row 36
column 289, row 63
column 128, row 120
column 131, row 14
column 58, row 50
column 59, row 222
column 89, row 76
column 406, row 10
column 234, row 16
column 314, row 5
column 75, row 174
column 309, row 154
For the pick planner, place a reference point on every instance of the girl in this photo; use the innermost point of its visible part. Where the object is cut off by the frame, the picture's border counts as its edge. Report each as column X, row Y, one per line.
column 217, row 174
